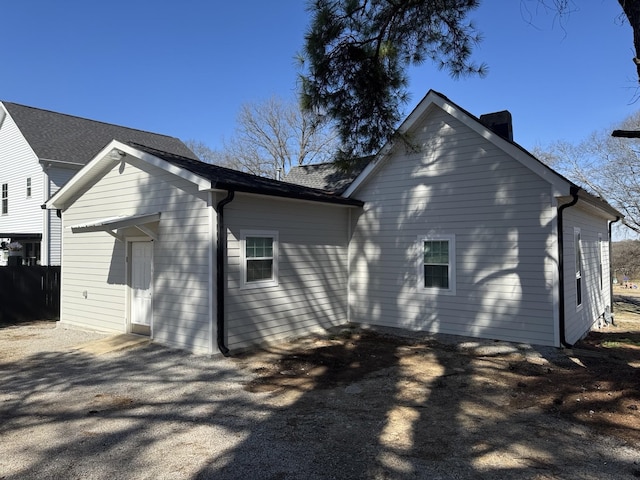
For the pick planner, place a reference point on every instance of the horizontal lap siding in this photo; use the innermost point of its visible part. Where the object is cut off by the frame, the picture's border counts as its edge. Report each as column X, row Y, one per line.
column 502, row 217
column 312, row 271
column 96, row 261
column 17, row 163
column 58, row 177
column 580, row 319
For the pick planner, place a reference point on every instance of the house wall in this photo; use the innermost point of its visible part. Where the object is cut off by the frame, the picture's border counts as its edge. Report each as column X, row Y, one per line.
column 596, row 283
column 96, row 262
column 17, row 163
column 312, row 270
column 56, row 178
column 502, row 216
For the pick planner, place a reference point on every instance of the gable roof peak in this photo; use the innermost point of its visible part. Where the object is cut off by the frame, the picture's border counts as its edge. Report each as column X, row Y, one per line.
column 73, row 139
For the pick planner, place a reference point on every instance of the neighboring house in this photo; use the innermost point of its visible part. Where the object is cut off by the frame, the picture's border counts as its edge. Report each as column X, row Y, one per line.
column 461, row 232
column 40, row 151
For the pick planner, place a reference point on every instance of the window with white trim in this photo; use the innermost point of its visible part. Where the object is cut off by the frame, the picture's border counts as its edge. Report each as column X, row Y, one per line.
column 29, row 187
column 5, row 199
column 436, row 264
column 600, row 260
column 577, row 248
column 259, row 252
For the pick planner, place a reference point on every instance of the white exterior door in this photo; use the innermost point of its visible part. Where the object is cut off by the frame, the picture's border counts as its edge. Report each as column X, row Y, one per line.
column 141, row 291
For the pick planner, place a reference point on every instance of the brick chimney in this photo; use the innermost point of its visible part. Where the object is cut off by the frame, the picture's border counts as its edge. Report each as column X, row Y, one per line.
column 500, row 123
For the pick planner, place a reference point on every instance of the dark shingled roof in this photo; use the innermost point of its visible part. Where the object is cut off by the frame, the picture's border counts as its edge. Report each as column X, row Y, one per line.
column 57, row 136
column 326, row 176
column 227, row 179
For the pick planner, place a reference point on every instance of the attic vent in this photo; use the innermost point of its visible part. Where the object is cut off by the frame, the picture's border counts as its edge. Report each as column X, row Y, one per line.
column 500, row 123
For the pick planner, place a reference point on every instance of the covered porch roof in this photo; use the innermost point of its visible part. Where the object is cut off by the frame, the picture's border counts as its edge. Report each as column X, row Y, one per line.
column 112, row 224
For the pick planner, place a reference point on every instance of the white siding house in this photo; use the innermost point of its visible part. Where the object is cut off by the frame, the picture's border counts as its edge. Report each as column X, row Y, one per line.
column 459, row 235
column 455, row 229
column 40, row 151
column 141, row 242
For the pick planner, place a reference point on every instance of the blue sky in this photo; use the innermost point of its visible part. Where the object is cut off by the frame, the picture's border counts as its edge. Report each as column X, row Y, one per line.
column 185, row 68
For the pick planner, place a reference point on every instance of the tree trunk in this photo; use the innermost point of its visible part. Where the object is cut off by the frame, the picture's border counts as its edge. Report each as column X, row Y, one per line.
column 632, row 11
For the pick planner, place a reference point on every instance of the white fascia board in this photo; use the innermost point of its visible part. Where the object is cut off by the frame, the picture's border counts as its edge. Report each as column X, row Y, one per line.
column 560, row 185
column 103, row 160
column 84, row 175
column 202, row 183
column 385, row 151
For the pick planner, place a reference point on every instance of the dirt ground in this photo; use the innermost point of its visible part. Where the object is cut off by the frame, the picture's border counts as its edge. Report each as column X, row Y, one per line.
column 356, row 404
column 596, row 384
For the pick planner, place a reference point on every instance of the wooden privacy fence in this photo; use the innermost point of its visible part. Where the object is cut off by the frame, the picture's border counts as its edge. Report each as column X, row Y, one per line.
column 29, row 293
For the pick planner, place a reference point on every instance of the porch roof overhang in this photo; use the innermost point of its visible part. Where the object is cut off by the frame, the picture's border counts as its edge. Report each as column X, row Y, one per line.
column 112, row 224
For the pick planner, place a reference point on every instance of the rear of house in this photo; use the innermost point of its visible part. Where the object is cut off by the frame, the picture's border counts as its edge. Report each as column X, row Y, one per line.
column 456, row 237
column 459, row 235
column 456, row 231
column 196, row 256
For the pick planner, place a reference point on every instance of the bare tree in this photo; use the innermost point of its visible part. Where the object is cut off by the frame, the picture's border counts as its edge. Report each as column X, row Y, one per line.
column 604, row 165
column 204, row 152
column 274, row 135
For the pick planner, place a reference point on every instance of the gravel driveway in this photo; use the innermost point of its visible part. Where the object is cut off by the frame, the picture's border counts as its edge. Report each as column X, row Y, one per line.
column 156, row 413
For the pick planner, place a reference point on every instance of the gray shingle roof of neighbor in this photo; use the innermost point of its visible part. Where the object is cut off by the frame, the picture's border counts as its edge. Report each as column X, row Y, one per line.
column 62, row 137
column 227, row 179
column 326, row 176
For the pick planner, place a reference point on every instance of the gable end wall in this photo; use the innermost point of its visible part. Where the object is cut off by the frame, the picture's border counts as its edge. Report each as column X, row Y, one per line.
column 95, row 263
column 503, row 219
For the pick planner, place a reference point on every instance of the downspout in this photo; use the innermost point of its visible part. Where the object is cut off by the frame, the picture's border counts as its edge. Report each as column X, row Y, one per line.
column 613, row 322
column 220, row 284
column 574, row 193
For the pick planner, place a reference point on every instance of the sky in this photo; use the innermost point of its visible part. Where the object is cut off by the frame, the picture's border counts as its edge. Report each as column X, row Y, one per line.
column 185, row 68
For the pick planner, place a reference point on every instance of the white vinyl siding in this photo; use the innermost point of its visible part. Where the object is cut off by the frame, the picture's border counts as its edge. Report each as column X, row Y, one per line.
column 96, row 262
column 502, row 216
column 17, row 163
column 57, row 178
column 582, row 316
column 311, row 293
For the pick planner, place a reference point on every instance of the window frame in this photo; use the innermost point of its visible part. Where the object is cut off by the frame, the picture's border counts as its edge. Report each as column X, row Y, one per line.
column 601, row 261
column 4, row 199
column 29, row 189
column 271, row 282
column 578, row 266
column 451, row 239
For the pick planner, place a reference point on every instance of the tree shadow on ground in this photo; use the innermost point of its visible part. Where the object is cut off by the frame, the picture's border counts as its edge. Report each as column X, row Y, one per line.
column 356, row 404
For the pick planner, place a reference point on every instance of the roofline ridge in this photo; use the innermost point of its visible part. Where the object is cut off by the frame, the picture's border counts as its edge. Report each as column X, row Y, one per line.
column 89, row 119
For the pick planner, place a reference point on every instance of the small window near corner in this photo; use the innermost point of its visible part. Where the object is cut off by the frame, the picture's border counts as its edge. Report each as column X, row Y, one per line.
column 436, row 264
column 29, row 187
column 259, row 251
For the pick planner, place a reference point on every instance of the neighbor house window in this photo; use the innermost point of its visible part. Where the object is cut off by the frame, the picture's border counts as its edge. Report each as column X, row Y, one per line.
column 259, row 258
column 5, row 198
column 436, row 264
column 577, row 245
column 29, row 187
